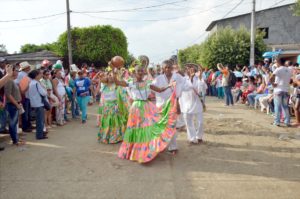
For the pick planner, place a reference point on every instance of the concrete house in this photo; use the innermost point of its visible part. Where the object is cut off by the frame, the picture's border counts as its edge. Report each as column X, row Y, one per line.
column 282, row 29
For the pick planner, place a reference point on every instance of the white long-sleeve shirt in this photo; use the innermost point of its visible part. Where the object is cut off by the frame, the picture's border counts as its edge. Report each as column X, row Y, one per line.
column 162, row 81
column 189, row 101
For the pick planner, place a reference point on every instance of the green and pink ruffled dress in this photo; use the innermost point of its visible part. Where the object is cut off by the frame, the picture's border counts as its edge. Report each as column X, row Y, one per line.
column 112, row 115
column 149, row 130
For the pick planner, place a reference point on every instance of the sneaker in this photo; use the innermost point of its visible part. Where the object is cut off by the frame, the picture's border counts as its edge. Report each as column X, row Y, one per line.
column 42, row 138
column 193, row 143
column 200, row 141
column 5, row 131
column 287, row 125
column 276, row 124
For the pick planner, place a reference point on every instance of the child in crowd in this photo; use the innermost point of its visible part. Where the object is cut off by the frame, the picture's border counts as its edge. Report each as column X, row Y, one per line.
column 236, row 91
column 251, row 87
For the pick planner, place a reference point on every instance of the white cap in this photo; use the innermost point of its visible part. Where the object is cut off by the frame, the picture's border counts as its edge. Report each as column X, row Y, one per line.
column 74, row 68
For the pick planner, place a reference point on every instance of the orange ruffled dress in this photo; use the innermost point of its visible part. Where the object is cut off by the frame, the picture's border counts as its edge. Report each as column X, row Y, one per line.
column 149, row 130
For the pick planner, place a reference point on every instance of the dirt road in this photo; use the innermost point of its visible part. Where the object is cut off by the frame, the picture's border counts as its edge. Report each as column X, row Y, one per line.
column 242, row 157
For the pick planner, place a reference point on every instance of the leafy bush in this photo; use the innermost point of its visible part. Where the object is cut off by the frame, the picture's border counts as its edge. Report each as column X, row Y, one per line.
column 225, row 46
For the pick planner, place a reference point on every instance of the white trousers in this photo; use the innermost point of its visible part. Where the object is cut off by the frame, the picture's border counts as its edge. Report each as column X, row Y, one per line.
column 180, row 121
column 60, row 111
column 173, row 143
column 194, row 126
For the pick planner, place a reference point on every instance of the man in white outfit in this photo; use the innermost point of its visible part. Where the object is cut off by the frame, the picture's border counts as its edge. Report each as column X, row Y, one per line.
column 191, row 106
column 161, row 98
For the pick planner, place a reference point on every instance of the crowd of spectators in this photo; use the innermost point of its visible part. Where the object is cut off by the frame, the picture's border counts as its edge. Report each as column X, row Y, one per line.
column 41, row 97
column 272, row 87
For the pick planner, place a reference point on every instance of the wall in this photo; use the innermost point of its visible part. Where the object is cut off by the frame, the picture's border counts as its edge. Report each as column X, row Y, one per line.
column 284, row 28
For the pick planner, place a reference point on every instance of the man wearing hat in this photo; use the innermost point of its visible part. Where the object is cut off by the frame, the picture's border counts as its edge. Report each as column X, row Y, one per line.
column 23, row 82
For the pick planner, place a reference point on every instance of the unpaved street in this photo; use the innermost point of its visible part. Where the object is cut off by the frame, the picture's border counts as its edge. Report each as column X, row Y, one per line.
column 242, row 157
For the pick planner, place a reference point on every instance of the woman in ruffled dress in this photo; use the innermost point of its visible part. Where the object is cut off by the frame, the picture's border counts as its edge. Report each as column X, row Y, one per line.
column 112, row 112
column 149, row 129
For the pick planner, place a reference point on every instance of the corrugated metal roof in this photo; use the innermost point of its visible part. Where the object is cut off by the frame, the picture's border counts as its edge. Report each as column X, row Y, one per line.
column 32, row 56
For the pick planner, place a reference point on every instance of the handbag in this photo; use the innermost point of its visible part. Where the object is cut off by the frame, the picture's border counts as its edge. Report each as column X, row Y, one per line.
column 44, row 100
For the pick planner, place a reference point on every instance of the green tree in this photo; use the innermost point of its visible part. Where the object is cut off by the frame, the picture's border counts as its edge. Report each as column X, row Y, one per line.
column 31, row 48
column 3, row 48
column 225, row 46
column 296, row 8
column 94, row 44
column 190, row 54
column 130, row 59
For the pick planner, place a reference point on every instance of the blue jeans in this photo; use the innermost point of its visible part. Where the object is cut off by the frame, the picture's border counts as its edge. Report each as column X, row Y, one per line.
column 271, row 105
column 3, row 119
column 13, row 113
column 74, row 108
column 40, row 121
column 228, row 95
column 281, row 104
column 259, row 96
column 208, row 92
column 83, row 103
column 251, row 98
column 214, row 90
column 26, row 123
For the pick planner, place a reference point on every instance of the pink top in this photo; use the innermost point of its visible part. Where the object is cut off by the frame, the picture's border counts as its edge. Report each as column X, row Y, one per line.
column 251, row 87
column 261, row 88
column 238, row 84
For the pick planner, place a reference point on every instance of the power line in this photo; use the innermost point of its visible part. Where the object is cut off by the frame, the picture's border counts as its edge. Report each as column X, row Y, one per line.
column 133, row 9
column 237, row 5
column 153, row 20
column 30, row 26
column 222, row 18
column 176, row 5
column 275, row 4
column 230, row 11
column 33, row 18
column 203, row 34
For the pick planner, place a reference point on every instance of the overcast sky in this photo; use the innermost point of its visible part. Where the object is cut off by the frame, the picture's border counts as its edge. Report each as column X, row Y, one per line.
column 176, row 25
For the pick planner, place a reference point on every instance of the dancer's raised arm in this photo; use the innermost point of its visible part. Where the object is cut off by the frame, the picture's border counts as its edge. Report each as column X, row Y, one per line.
column 160, row 90
column 119, row 82
column 102, row 77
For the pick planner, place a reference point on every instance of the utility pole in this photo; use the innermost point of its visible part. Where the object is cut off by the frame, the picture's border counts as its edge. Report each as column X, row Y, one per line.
column 253, row 30
column 69, row 35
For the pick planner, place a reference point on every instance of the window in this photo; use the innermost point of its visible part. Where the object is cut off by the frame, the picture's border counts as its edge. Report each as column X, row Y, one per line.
column 266, row 31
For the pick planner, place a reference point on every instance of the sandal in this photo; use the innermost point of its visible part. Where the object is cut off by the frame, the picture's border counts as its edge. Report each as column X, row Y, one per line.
column 173, row 152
